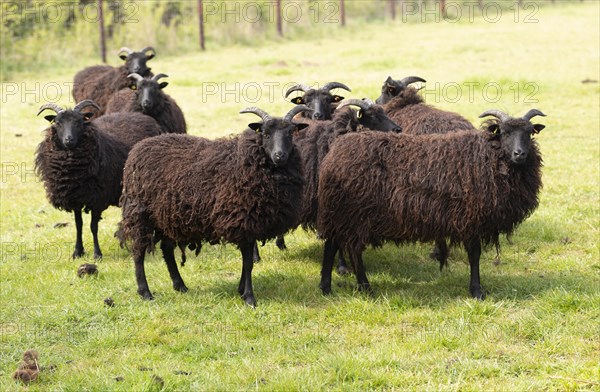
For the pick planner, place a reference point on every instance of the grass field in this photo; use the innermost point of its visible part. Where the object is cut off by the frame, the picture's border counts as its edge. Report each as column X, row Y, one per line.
column 537, row 330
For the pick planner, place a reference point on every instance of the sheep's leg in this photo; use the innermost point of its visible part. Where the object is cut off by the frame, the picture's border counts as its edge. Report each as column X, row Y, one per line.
column 342, row 267
column 329, row 251
column 359, row 270
column 440, row 253
column 248, row 263
column 140, row 274
column 473, row 248
column 255, row 253
column 242, row 285
column 280, row 242
column 96, row 216
column 168, row 250
column 78, row 240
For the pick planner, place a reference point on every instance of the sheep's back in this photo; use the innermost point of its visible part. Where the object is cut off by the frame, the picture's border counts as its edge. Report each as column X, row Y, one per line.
column 121, row 101
column 196, row 189
column 128, row 128
column 376, row 187
column 421, row 119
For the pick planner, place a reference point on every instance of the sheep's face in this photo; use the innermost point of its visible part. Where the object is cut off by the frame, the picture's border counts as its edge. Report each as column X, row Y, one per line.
column 321, row 102
column 515, row 137
column 277, row 138
column 136, row 62
column 148, row 94
column 374, row 118
column 68, row 126
column 391, row 88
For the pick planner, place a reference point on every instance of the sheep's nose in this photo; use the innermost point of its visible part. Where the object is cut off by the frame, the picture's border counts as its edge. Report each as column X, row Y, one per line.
column 397, row 129
column 279, row 157
column 68, row 141
column 146, row 103
column 519, row 155
column 317, row 115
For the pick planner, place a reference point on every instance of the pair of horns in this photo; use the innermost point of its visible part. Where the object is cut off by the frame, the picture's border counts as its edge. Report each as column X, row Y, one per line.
column 364, row 104
column 139, row 77
column 266, row 117
column 77, row 108
column 505, row 117
column 404, row 82
column 125, row 49
column 326, row 88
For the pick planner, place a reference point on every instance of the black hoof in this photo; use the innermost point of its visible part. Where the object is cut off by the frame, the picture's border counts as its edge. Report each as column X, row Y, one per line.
column 478, row 293
column 146, row 295
column 180, row 287
column 98, row 256
column 78, row 253
column 280, row 242
column 256, row 258
column 326, row 289
column 364, row 287
column 250, row 301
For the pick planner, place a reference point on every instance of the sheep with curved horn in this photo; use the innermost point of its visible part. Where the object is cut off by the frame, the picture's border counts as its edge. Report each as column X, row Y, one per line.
column 237, row 190
column 81, row 161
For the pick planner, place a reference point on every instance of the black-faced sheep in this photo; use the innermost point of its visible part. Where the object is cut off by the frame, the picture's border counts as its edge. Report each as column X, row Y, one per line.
column 407, row 108
column 321, row 101
column 314, row 144
column 81, row 161
column 100, row 82
column 237, row 190
column 466, row 186
column 147, row 96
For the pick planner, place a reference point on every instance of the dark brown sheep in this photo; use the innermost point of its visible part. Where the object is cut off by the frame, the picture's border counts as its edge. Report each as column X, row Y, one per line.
column 465, row 186
column 81, row 161
column 100, row 82
column 406, row 107
column 237, row 190
column 147, row 96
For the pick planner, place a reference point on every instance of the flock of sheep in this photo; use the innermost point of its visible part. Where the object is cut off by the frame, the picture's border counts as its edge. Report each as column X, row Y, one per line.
column 395, row 170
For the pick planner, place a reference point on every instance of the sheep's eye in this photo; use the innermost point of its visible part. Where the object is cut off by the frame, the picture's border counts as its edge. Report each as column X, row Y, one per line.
column 134, row 87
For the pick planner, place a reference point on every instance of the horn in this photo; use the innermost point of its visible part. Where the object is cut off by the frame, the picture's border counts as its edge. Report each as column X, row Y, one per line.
column 295, row 110
column 51, row 106
column 533, row 113
column 259, row 112
column 354, row 102
column 136, row 76
column 331, row 85
column 496, row 113
column 85, row 103
column 126, row 50
column 299, row 87
column 147, row 48
column 155, row 78
column 412, row 79
column 368, row 101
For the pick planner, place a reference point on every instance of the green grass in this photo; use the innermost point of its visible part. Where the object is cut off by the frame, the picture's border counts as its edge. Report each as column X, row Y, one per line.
column 537, row 330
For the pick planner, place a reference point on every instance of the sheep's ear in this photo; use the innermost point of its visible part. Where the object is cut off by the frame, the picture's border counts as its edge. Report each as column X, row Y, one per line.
column 255, row 127
column 389, row 80
column 301, row 126
column 537, row 128
column 298, row 100
column 50, row 117
column 149, row 55
column 493, row 128
column 123, row 57
column 163, row 85
column 337, row 98
column 87, row 116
